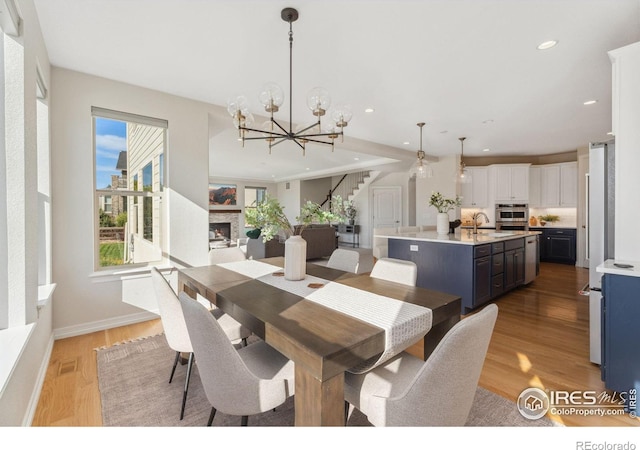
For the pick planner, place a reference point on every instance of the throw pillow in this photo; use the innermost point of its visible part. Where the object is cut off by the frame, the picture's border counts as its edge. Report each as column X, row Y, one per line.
column 254, row 234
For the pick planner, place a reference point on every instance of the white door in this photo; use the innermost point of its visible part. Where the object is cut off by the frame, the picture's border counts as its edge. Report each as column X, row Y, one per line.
column 387, row 207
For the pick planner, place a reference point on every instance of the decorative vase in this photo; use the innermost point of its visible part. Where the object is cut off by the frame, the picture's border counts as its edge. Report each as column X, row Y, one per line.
column 442, row 223
column 295, row 258
column 352, row 221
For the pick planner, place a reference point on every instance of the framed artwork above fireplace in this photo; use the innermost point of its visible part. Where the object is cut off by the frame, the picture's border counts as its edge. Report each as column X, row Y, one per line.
column 222, row 194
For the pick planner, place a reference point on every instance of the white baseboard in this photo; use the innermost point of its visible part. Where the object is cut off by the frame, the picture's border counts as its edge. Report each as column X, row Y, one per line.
column 35, row 396
column 90, row 327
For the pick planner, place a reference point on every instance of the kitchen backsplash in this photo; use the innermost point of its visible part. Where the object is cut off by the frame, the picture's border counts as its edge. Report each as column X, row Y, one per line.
column 567, row 216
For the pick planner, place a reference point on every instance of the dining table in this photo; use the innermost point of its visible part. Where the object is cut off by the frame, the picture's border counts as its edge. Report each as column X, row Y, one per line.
column 327, row 324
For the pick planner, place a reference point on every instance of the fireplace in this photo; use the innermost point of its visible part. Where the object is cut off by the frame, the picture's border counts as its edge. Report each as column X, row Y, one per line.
column 219, row 231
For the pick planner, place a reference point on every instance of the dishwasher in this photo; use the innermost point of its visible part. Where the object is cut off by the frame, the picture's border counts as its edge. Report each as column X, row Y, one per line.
column 530, row 259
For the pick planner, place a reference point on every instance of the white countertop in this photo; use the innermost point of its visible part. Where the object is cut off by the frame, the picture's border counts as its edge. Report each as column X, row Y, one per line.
column 609, row 267
column 461, row 236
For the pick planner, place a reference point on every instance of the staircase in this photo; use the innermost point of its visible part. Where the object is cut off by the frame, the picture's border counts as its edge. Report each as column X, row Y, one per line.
column 354, row 183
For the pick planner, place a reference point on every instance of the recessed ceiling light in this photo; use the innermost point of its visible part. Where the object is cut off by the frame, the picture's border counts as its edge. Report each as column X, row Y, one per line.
column 610, row 133
column 307, row 168
column 406, row 143
column 369, row 110
column 547, row 45
column 590, row 102
column 486, row 149
column 356, row 159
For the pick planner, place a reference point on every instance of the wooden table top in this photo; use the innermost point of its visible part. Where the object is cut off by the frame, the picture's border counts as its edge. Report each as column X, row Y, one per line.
column 324, row 340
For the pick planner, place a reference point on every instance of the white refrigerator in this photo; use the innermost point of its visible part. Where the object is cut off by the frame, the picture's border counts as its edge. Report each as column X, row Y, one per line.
column 600, row 231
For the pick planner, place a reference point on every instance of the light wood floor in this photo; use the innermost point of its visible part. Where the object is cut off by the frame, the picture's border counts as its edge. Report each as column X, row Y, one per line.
column 541, row 339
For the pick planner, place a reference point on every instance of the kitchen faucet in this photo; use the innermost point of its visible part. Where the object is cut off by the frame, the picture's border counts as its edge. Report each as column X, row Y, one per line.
column 475, row 220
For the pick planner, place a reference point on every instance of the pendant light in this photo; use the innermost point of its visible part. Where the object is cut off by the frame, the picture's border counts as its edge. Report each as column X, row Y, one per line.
column 422, row 168
column 463, row 175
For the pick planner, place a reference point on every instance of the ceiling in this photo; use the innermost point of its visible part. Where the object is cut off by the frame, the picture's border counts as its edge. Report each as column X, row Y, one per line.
column 465, row 67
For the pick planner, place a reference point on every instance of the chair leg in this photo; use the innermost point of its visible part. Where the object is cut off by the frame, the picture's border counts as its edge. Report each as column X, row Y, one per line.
column 244, row 342
column 346, row 412
column 175, row 364
column 186, row 385
column 245, row 420
column 211, row 416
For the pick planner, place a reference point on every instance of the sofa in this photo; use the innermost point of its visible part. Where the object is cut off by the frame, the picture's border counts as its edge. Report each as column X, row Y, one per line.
column 321, row 242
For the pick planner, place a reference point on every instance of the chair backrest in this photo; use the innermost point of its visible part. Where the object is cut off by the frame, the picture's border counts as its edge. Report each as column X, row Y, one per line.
column 379, row 243
column 175, row 328
column 398, row 270
column 411, row 229
column 227, row 254
column 347, row 260
column 442, row 392
column 229, row 385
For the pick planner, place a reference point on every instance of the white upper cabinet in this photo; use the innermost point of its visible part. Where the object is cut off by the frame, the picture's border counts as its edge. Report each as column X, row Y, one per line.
column 511, row 182
column 558, row 186
column 475, row 194
column 534, row 186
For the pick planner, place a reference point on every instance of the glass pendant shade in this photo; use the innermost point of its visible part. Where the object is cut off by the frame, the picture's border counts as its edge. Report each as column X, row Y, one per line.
column 421, row 168
column 462, row 175
column 238, row 104
column 341, row 115
column 318, row 101
column 271, row 97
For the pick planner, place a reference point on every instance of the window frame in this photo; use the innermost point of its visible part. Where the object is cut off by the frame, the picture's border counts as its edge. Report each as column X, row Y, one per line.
column 102, row 113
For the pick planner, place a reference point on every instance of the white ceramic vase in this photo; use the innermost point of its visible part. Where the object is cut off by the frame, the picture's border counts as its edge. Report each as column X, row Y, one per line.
column 295, row 258
column 442, row 223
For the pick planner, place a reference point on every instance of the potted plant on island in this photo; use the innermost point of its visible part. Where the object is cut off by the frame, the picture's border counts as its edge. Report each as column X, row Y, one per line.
column 443, row 206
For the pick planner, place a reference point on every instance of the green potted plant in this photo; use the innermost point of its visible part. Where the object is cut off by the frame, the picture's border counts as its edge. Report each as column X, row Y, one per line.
column 443, row 206
column 548, row 218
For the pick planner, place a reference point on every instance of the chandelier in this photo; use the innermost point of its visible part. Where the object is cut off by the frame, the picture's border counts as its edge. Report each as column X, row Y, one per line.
column 272, row 97
column 463, row 175
column 421, row 168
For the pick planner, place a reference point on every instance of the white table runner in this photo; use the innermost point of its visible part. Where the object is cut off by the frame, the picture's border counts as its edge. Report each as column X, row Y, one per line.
column 404, row 323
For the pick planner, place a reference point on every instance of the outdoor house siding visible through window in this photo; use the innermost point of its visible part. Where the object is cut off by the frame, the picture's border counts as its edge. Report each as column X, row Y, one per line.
column 129, row 165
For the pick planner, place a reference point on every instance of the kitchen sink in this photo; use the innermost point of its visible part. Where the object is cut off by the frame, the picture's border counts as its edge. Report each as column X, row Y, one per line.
column 500, row 234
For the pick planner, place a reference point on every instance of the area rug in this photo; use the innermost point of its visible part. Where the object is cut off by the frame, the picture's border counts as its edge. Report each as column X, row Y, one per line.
column 135, row 391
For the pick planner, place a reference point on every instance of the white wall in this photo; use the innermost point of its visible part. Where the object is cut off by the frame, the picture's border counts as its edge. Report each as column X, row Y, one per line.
column 626, row 117
column 84, row 302
column 443, row 182
column 288, row 194
column 19, row 395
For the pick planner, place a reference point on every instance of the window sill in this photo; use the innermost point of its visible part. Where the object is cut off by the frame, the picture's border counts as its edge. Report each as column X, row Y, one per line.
column 12, row 343
column 107, row 276
column 45, row 292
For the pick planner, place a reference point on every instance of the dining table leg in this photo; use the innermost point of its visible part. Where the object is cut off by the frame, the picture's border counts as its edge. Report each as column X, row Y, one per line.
column 318, row 402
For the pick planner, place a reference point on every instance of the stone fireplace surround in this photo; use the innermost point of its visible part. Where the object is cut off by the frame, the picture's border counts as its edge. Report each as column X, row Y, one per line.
column 227, row 215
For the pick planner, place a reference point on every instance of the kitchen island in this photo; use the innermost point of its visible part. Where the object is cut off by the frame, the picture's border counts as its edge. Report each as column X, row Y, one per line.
column 477, row 267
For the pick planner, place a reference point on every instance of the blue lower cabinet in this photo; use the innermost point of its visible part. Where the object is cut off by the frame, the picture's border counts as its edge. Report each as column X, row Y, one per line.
column 620, row 364
column 475, row 273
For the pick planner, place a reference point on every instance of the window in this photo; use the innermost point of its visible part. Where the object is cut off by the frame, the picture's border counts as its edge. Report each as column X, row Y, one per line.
column 253, row 196
column 128, row 148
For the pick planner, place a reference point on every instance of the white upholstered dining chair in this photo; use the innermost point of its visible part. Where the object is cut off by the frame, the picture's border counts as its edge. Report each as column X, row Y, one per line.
column 243, row 382
column 398, row 270
column 380, row 244
column 175, row 328
column 406, row 391
column 347, row 260
column 227, row 254
column 408, row 229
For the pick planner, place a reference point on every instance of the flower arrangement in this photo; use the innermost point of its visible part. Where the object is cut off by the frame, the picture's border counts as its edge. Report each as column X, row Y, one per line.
column 444, row 205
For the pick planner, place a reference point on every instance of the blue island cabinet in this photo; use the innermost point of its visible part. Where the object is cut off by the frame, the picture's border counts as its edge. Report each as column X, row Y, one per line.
column 621, row 334
column 475, row 273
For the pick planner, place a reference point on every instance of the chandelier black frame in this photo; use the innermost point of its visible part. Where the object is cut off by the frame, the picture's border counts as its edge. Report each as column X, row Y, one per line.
column 276, row 133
